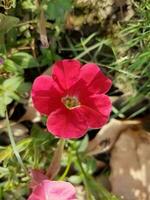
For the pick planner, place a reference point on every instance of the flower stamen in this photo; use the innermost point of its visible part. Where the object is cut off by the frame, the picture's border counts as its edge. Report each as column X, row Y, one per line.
column 70, row 102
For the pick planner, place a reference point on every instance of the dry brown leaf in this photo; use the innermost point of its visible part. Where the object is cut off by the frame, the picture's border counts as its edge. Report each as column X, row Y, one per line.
column 107, row 136
column 130, row 158
column 42, row 30
column 42, row 25
column 2, row 124
column 130, row 164
column 19, row 131
column 31, row 114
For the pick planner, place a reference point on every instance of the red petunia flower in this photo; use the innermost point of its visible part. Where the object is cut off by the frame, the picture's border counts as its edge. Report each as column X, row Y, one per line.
column 73, row 98
column 53, row 190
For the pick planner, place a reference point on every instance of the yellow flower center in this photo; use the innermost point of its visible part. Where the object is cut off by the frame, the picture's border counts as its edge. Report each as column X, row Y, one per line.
column 70, row 102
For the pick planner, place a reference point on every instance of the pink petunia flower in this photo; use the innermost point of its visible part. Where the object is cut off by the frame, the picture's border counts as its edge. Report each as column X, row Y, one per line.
column 73, row 98
column 53, row 190
column 37, row 176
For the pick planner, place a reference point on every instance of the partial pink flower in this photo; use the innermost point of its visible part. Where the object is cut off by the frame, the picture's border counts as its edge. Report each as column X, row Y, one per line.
column 53, row 190
column 37, row 176
column 73, row 97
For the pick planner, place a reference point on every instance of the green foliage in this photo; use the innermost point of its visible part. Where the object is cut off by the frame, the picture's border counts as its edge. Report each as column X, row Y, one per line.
column 7, row 23
column 8, row 93
column 17, row 62
column 7, row 152
column 24, row 60
column 35, row 152
column 29, row 5
column 56, row 9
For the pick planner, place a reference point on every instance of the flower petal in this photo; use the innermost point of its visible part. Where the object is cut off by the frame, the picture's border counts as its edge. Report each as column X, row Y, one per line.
column 53, row 190
column 67, row 123
column 97, row 109
column 96, row 81
column 66, row 73
column 37, row 176
column 45, row 95
column 38, row 193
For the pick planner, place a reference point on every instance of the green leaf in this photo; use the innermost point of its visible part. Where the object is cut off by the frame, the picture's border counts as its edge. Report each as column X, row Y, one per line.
column 22, row 145
column 90, row 165
column 56, row 9
column 7, row 23
column 4, row 171
column 2, row 107
column 40, row 136
column 6, row 153
column 8, row 92
column 46, row 58
column 7, row 99
column 75, row 179
column 24, row 60
column 83, row 145
column 10, row 66
column 11, row 84
column 24, row 87
column 29, row 5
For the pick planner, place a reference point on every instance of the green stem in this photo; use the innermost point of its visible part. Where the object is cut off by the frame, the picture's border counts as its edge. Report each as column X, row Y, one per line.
column 26, row 23
column 84, row 177
column 67, row 169
column 13, row 144
column 88, row 50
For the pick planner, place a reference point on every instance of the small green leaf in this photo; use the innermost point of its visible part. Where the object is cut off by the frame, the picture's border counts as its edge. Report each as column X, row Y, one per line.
column 7, row 23
column 6, row 153
column 24, row 87
column 56, row 9
column 10, row 66
column 83, row 144
column 12, row 83
column 7, row 99
column 4, row 171
column 40, row 136
column 2, row 107
column 8, row 92
column 29, row 5
column 75, row 179
column 24, row 60
column 90, row 165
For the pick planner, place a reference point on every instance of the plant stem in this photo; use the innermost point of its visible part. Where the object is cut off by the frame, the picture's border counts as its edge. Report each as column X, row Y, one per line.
column 67, row 168
column 84, row 177
column 13, row 144
column 55, row 164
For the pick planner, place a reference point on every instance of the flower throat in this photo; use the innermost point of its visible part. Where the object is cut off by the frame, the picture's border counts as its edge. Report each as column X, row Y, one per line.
column 70, row 102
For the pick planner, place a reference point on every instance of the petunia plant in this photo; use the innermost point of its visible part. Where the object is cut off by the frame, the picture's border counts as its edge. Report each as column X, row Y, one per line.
column 74, row 100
